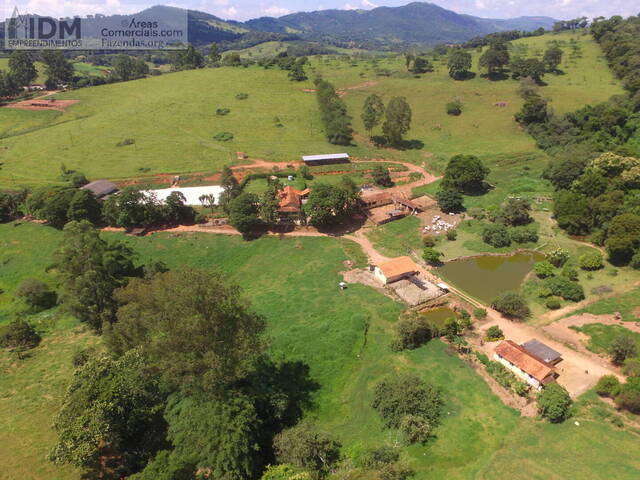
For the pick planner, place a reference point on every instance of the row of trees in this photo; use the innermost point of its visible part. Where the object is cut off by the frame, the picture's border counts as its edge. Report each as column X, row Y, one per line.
column 496, row 58
column 130, row 208
column 333, row 110
column 23, row 71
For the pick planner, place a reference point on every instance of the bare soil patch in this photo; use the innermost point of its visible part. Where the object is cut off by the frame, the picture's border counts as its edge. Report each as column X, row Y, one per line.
column 41, row 104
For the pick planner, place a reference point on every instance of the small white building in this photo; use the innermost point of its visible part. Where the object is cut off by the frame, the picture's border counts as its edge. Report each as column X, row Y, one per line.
column 396, row 269
column 526, row 366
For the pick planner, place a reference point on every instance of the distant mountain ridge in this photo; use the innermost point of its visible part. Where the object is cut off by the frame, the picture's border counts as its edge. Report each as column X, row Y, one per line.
column 387, row 28
column 417, row 23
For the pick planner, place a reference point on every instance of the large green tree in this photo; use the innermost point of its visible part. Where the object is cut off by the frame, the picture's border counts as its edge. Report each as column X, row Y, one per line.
column 193, row 325
column 372, row 112
column 465, row 173
column 243, row 214
column 552, row 58
column 22, row 67
column 397, row 120
column 57, row 68
column 495, row 58
column 90, row 269
column 459, row 63
column 110, row 423
column 328, row 205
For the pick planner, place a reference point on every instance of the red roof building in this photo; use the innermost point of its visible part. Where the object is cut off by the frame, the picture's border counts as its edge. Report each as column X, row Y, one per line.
column 291, row 199
column 535, row 371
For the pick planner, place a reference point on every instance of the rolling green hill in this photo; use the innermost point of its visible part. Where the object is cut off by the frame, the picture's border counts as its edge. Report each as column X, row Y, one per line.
column 173, row 121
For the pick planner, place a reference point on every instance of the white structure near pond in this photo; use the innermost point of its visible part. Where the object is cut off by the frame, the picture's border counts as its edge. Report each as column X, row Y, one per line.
column 191, row 194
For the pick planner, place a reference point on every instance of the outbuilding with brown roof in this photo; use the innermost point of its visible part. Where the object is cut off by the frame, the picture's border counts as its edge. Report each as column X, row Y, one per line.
column 532, row 369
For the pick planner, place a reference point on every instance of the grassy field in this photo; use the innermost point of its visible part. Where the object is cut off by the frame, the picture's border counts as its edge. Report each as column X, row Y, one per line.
column 172, row 118
column 601, row 336
column 627, row 304
column 25, row 252
column 342, row 335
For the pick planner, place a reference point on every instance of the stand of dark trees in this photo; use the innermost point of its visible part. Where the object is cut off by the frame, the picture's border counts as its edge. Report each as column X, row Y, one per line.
column 337, row 123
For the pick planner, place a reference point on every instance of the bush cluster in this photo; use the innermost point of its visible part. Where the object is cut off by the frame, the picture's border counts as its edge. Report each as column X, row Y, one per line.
column 408, row 403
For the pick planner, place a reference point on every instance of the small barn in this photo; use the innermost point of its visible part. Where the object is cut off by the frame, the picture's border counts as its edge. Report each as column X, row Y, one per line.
column 326, row 159
column 101, row 189
column 396, row 269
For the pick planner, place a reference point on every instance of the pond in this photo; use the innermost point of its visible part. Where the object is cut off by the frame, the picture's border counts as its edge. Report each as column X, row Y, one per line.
column 486, row 276
column 438, row 316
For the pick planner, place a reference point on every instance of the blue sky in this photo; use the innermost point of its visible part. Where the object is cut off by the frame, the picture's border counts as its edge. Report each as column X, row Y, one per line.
column 245, row 9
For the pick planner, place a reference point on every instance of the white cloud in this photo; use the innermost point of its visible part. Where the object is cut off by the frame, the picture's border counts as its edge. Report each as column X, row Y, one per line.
column 231, row 12
column 368, row 4
column 276, row 11
column 348, row 6
column 480, row 5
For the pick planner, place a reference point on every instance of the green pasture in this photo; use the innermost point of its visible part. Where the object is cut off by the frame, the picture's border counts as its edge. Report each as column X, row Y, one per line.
column 172, row 117
column 627, row 304
column 342, row 335
column 601, row 336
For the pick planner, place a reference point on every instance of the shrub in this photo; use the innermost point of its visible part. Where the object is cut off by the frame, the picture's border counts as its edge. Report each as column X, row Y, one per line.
column 412, row 332
column 480, row 313
column 565, row 288
column 621, row 348
column 452, row 235
column 496, row 235
column 635, row 261
column 18, row 335
column 523, row 234
column 569, row 272
column 375, row 458
column 544, row 269
column 428, row 241
column 125, row 142
column 511, row 304
column 521, row 389
column 554, row 403
column 454, row 107
column 305, row 447
column 631, row 367
column 82, row 356
column 558, row 257
column 36, row 295
column 544, row 292
column 221, row 112
column 494, row 333
column 552, row 303
column 242, row 96
column 416, row 428
column 397, row 397
column 78, row 180
column 223, row 136
column 395, row 472
column 591, row 261
column 629, row 395
column 608, row 386
column 431, row 256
